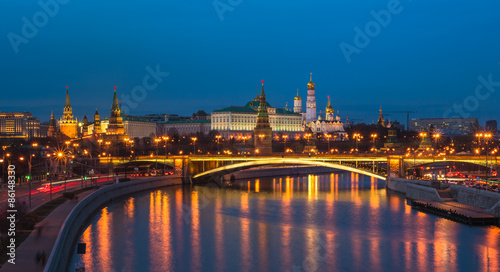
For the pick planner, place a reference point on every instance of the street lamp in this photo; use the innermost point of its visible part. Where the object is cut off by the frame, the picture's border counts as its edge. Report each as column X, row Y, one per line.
column 157, row 140
column 328, row 136
column 356, row 137
column 194, row 144
column 284, row 141
column 218, row 143
column 374, row 137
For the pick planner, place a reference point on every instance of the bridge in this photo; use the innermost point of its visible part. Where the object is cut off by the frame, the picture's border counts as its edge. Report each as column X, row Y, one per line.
column 200, row 168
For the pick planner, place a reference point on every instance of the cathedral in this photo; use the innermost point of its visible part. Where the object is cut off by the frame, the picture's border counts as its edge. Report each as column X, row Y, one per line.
column 329, row 123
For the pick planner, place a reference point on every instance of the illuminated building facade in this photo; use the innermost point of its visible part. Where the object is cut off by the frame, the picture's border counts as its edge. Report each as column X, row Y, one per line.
column 184, row 127
column 68, row 125
column 240, row 121
column 458, row 125
column 19, row 125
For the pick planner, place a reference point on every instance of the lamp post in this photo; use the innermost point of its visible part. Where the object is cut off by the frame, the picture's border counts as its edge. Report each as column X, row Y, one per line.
column 194, row 144
column 284, row 142
column 356, row 139
column 218, row 143
column 165, row 138
column 29, row 180
column 328, row 137
column 157, row 140
column 374, row 138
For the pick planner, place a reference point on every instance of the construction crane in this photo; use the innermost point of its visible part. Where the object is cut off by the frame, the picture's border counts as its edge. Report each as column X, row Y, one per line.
column 407, row 117
column 354, row 121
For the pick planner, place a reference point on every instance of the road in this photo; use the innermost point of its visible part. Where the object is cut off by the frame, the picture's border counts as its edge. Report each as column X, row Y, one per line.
column 41, row 192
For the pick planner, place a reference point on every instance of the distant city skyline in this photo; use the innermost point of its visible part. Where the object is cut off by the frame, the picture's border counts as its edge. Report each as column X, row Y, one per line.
column 422, row 58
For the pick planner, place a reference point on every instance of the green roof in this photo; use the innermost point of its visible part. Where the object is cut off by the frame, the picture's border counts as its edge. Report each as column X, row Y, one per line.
column 187, row 122
column 135, row 118
column 237, row 109
column 252, row 110
column 283, row 111
column 255, row 104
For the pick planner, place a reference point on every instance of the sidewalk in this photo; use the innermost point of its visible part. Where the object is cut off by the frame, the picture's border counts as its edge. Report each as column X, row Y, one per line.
column 26, row 252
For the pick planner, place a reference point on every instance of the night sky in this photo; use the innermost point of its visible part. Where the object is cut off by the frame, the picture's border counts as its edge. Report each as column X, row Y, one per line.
column 427, row 57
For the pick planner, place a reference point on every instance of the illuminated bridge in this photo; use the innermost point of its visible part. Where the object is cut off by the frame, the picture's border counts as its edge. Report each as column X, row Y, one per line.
column 200, row 168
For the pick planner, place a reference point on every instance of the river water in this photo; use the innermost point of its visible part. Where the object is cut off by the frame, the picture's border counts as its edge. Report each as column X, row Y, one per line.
column 334, row 222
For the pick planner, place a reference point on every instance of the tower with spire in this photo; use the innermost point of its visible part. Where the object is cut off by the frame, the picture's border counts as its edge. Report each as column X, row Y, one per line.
column 380, row 120
column 68, row 125
column 115, row 126
column 329, row 112
column 52, row 132
column 97, row 123
column 85, row 126
column 263, row 134
column 311, row 101
column 297, row 103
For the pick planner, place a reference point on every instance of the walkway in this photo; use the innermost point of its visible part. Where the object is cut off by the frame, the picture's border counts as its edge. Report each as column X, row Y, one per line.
column 26, row 252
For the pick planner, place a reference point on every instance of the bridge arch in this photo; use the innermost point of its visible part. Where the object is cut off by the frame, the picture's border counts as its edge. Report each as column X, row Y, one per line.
column 231, row 168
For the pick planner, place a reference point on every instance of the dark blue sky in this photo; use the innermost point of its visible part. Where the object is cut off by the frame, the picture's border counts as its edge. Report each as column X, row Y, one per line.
column 427, row 58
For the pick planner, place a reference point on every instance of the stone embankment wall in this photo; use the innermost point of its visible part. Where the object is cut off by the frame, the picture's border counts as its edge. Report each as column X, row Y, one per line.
column 414, row 189
column 490, row 201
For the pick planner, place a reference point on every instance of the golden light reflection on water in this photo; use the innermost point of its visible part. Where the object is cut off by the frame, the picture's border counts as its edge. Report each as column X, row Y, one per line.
column 103, row 238
column 129, row 220
column 263, row 247
column 219, row 235
column 195, row 232
column 246, row 257
column 87, row 259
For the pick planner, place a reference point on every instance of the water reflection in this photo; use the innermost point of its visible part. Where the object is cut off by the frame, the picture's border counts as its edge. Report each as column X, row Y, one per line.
column 333, row 222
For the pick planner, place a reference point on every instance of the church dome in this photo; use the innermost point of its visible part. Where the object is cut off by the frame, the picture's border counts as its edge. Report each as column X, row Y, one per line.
column 310, row 84
column 297, row 98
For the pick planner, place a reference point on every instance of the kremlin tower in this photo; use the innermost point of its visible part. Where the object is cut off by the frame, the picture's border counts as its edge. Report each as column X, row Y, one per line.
column 85, row 127
column 263, row 134
column 68, row 125
column 115, row 126
column 311, row 101
column 297, row 103
column 97, row 123
column 52, row 132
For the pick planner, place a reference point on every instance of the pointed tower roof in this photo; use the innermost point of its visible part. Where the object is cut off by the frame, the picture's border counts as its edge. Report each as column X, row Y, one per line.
column 262, row 110
column 262, row 94
column 52, row 122
column 96, row 113
column 67, row 104
column 115, row 106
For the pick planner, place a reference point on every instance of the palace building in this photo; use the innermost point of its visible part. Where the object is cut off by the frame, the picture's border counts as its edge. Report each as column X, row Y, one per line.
column 240, row 121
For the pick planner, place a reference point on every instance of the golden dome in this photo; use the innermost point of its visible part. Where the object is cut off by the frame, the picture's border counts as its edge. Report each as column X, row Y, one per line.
column 297, row 97
column 310, row 85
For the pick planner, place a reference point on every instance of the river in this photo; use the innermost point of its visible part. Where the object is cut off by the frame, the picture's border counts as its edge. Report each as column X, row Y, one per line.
column 329, row 222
